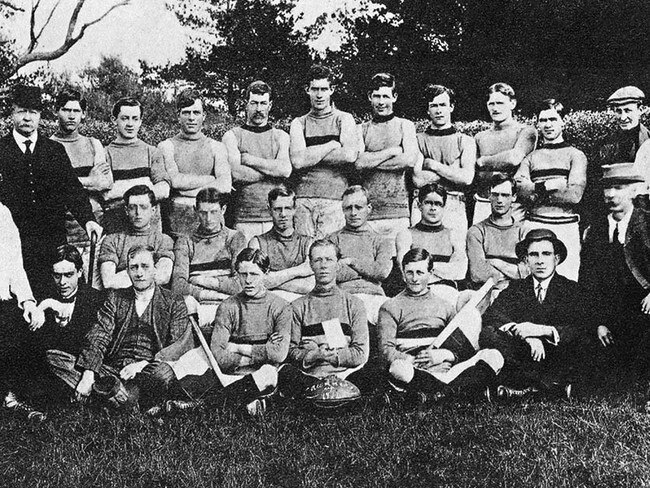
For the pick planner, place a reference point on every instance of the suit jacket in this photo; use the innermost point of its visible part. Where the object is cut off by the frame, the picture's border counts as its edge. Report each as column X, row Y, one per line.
column 171, row 328
column 617, row 286
column 70, row 338
column 564, row 307
column 38, row 189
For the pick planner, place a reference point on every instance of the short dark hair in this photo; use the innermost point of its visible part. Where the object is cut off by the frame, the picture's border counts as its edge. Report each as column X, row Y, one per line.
column 432, row 188
column 211, row 195
column 139, row 190
column 70, row 95
column 259, row 87
column 351, row 190
column 281, row 191
column 500, row 178
column 69, row 253
column 417, row 254
column 502, row 88
column 126, row 102
column 383, row 79
column 255, row 256
column 432, row 91
column 319, row 72
column 324, row 243
column 140, row 249
column 186, row 98
column 550, row 104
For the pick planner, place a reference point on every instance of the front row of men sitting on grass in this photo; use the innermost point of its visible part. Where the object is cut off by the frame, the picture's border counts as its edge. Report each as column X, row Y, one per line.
column 139, row 352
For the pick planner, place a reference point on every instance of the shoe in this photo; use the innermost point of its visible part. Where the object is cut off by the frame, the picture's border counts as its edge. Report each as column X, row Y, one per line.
column 155, row 411
column 487, row 394
column 415, row 399
column 256, row 408
column 173, row 406
column 23, row 409
column 560, row 390
column 505, row 392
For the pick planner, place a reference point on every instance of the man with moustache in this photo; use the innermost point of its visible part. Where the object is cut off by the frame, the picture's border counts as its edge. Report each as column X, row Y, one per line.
column 324, row 146
column 259, row 160
column 193, row 161
column 389, row 151
column 448, row 158
column 501, row 149
column 551, row 182
column 38, row 186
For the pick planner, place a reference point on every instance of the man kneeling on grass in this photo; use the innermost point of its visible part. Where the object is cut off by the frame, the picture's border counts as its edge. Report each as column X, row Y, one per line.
column 136, row 329
column 408, row 326
column 538, row 323
column 249, row 341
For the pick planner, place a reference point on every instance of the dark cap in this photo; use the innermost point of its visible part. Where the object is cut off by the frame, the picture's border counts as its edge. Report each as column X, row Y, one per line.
column 28, row 97
column 537, row 235
column 627, row 94
column 621, row 173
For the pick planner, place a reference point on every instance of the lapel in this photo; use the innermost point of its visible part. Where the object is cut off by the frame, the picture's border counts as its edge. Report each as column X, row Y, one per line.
column 160, row 314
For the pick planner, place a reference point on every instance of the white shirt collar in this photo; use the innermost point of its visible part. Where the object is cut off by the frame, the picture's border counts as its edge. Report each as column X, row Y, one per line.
column 20, row 140
column 622, row 226
column 544, row 283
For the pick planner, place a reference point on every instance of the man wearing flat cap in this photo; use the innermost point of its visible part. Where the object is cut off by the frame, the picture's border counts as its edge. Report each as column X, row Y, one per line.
column 38, row 185
column 537, row 322
column 616, row 267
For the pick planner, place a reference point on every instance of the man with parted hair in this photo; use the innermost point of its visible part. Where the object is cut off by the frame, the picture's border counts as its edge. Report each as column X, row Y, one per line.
column 86, row 155
column 447, row 158
column 136, row 329
column 290, row 275
column 446, row 247
column 366, row 255
column 323, row 148
column 551, row 182
column 193, row 161
column 140, row 204
column 39, row 187
column 259, row 160
column 408, row 325
column 204, row 266
column 388, row 153
column 133, row 162
column 501, row 149
column 491, row 242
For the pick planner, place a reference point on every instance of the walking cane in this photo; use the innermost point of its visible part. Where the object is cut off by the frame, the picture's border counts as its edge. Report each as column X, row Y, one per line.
column 91, row 263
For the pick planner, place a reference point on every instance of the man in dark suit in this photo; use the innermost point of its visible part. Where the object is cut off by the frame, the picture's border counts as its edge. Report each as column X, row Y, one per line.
column 38, row 185
column 136, row 329
column 536, row 322
column 616, row 267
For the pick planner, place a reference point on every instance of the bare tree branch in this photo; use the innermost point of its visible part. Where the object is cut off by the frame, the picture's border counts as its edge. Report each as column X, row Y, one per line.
column 70, row 38
column 10, row 5
column 32, row 27
column 47, row 21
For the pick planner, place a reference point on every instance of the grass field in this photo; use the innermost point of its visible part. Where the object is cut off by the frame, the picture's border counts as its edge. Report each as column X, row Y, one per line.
column 596, row 440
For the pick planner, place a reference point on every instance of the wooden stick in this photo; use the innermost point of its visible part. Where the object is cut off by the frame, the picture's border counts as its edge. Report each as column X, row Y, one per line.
column 91, row 263
column 224, row 379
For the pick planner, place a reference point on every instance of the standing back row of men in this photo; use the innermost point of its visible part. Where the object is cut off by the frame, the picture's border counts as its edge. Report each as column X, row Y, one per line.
column 326, row 152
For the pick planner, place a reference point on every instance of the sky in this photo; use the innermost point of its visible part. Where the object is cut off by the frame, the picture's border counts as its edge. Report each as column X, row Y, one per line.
column 147, row 30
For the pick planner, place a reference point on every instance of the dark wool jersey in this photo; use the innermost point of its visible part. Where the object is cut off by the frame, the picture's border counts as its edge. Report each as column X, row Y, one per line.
column 322, row 180
column 406, row 316
column 251, row 204
column 309, row 313
column 244, row 320
column 446, row 147
column 436, row 240
column 284, row 252
column 116, row 246
column 487, row 240
column 387, row 189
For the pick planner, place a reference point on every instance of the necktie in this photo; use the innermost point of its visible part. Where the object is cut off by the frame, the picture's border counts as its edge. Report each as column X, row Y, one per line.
column 540, row 293
column 615, row 235
column 28, row 151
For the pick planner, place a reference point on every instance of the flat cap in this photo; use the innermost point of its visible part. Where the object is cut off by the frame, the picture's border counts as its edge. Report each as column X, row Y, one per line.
column 621, row 173
column 627, row 94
